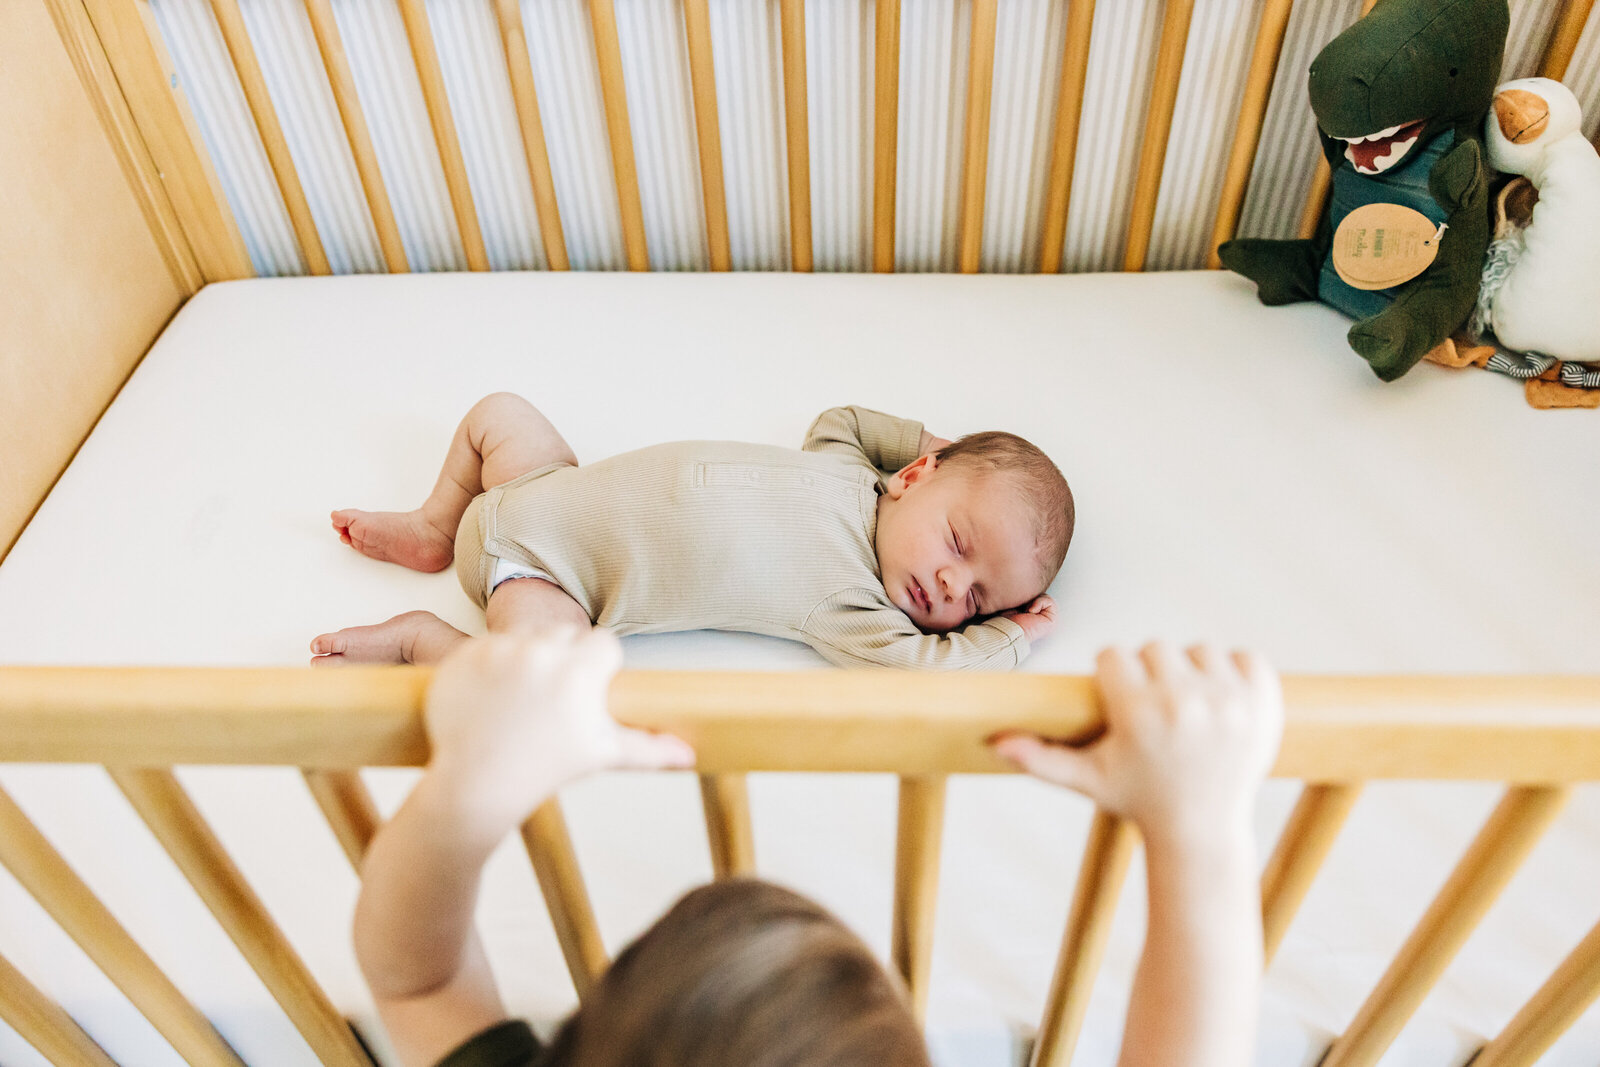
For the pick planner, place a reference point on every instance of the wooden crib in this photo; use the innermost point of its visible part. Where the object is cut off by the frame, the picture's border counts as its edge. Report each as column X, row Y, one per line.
column 132, row 208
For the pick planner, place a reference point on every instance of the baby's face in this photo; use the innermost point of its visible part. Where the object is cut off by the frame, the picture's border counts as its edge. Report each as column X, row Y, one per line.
column 953, row 544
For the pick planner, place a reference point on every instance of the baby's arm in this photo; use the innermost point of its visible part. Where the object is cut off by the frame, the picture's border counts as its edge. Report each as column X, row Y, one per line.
column 856, row 628
column 883, row 441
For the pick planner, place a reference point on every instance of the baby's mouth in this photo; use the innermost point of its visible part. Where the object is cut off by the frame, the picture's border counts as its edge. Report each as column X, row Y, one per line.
column 920, row 598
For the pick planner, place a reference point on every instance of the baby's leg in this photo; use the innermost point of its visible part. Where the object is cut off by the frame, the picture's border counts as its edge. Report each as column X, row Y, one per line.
column 524, row 604
column 415, row 637
column 502, row 437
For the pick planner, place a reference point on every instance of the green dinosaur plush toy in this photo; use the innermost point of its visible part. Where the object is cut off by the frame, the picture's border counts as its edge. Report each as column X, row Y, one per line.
column 1400, row 98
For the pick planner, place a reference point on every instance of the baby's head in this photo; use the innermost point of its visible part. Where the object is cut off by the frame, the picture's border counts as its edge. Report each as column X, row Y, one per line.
column 977, row 528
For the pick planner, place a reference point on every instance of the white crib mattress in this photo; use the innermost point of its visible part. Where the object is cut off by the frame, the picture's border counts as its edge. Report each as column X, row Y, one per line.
column 1239, row 474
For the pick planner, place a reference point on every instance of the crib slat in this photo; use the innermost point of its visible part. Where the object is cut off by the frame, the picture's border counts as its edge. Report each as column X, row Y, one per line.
column 1313, row 827
column 614, row 93
column 726, row 798
column 916, row 882
column 555, row 864
column 1157, row 128
column 885, row 132
column 414, row 14
column 172, row 817
column 39, row 868
column 525, row 98
column 94, row 69
column 145, row 73
column 1106, row 856
column 1064, row 148
column 975, row 154
column 703, row 76
column 348, row 807
column 1252, row 113
column 245, row 65
column 1566, row 995
column 796, row 119
column 1564, row 38
column 337, row 65
column 42, row 1023
column 1321, row 180
column 1493, row 857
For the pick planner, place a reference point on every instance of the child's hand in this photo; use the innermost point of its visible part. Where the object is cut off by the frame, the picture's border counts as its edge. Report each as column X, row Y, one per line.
column 931, row 443
column 1037, row 619
column 1188, row 740
column 514, row 717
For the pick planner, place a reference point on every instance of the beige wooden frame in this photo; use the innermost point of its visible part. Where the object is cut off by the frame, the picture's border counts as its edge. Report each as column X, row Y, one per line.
column 1539, row 733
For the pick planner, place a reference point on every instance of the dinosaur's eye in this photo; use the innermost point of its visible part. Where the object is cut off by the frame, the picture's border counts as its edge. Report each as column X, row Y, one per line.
column 1452, row 72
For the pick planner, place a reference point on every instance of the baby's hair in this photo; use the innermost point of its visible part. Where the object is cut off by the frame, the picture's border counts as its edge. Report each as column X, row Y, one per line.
column 743, row 972
column 1042, row 483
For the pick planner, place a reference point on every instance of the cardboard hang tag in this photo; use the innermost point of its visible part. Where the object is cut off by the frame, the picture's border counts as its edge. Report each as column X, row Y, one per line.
column 1380, row 246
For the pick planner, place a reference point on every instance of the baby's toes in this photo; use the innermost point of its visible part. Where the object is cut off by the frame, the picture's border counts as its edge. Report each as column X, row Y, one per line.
column 328, row 644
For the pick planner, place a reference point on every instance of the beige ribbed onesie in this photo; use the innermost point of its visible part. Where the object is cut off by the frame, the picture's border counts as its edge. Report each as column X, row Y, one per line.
column 727, row 536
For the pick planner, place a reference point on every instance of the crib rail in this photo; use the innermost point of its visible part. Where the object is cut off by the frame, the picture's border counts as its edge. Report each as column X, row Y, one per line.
column 1541, row 734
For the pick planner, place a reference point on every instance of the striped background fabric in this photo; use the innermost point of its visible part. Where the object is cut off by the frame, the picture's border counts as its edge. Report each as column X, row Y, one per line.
column 935, row 40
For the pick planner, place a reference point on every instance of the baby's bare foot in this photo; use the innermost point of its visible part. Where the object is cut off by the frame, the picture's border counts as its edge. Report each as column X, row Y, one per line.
column 403, row 537
column 387, row 642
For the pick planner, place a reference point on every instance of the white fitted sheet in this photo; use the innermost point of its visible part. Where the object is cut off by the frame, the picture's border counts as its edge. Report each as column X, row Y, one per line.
column 1239, row 475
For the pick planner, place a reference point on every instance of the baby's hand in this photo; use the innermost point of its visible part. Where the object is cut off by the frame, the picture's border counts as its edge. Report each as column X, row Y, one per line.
column 1037, row 619
column 930, row 443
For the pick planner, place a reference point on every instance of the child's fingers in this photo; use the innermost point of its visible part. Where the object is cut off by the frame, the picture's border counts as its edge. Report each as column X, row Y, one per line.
column 1210, row 660
column 1071, row 767
column 1118, row 675
column 644, row 751
column 1162, row 661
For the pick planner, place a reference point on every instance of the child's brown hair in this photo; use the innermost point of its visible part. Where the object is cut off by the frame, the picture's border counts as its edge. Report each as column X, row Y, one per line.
column 743, row 972
column 1042, row 484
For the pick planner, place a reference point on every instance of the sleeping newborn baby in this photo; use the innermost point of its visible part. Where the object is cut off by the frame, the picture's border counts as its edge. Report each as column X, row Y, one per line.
column 874, row 543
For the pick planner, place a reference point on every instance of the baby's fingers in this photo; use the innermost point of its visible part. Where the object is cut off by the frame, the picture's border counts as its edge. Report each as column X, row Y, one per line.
column 1071, row 767
column 640, row 750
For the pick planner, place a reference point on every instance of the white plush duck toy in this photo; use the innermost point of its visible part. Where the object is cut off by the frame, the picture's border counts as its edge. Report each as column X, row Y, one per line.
column 1541, row 286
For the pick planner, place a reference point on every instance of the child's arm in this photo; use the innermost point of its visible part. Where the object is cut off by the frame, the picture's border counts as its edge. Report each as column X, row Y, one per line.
column 511, row 719
column 883, row 441
column 857, row 628
column 1188, row 741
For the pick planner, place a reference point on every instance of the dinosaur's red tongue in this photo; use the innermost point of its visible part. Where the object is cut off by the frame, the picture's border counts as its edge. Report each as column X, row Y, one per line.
column 1366, row 154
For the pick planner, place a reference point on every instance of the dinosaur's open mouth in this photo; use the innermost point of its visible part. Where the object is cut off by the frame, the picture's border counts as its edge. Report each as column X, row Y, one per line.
column 1377, row 152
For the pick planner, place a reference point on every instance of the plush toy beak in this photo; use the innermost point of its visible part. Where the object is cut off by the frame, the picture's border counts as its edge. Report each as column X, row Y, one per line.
column 1522, row 115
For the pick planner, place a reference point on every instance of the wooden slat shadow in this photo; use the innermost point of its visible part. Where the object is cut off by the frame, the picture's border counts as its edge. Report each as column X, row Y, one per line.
column 414, row 13
column 1565, row 996
column 42, row 1023
column 40, row 869
column 1252, row 113
column 975, row 151
column 1106, row 856
column 1512, row 830
column 524, row 96
column 885, row 132
column 243, row 54
column 1157, row 128
column 555, row 864
column 708, row 133
column 348, row 807
column 1312, row 829
column 797, row 131
column 726, row 799
column 918, row 838
column 614, row 94
column 172, row 817
column 359, row 136
column 1064, row 148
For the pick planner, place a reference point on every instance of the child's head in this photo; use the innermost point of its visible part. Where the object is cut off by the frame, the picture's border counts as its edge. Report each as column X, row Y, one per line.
column 743, row 972
column 979, row 527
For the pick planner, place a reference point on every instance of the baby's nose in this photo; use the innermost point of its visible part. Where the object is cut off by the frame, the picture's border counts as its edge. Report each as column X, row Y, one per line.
column 954, row 583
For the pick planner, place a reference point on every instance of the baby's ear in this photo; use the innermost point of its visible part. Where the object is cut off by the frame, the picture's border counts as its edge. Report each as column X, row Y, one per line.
column 910, row 474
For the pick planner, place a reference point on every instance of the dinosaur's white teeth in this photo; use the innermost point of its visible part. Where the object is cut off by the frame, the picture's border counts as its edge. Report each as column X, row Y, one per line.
column 1380, row 135
column 1382, row 163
